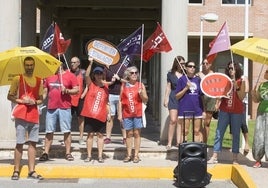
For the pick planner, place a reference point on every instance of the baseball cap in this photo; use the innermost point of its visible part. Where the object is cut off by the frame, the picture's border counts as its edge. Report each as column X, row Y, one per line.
column 97, row 69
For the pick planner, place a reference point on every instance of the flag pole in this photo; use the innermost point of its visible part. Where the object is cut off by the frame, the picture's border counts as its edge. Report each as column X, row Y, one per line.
column 65, row 61
column 121, row 65
column 141, row 52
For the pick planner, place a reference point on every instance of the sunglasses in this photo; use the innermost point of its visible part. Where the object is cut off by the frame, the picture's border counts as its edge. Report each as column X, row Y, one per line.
column 230, row 68
column 191, row 66
column 133, row 72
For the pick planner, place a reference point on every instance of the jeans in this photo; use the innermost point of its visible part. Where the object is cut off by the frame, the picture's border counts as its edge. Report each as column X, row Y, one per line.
column 226, row 118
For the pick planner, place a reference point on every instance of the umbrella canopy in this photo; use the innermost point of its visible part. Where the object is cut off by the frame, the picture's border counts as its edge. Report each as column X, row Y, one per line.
column 255, row 49
column 11, row 63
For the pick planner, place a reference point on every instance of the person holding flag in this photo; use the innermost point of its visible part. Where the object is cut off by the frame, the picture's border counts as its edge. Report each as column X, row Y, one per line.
column 170, row 100
column 58, row 89
column 129, row 47
column 230, row 112
column 132, row 95
column 189, row 94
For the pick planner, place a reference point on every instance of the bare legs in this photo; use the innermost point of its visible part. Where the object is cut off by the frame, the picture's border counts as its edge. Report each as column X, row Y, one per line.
column 31, row 156
column 67, row 142
column 206, row 128
column 81, row 121
column 173, row 114
column 109, row 128
column 100, row 144
column 136, row 133
column 198, row 136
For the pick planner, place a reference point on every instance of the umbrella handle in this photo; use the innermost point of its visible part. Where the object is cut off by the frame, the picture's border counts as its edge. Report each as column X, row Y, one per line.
column 259, row 77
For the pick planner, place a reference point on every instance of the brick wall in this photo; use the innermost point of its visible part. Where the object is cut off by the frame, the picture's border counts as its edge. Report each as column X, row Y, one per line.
column 234, row 15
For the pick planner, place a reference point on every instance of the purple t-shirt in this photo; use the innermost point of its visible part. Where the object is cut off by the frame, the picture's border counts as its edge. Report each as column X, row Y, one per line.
column 192, row 100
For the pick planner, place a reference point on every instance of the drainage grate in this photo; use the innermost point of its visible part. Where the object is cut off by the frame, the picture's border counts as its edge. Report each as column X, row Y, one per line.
column 59, row 180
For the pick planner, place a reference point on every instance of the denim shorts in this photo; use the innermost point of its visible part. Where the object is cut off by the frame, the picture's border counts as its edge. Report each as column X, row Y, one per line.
column 132, row 123
column 22, row 127
column 63, row 116
column 113, row 100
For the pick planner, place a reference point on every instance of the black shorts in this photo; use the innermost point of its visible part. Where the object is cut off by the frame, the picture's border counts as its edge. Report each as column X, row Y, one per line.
column 77, row 109
column 94, row 126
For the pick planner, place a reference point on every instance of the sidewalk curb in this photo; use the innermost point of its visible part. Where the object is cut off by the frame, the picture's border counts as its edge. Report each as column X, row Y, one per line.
column 236, row 173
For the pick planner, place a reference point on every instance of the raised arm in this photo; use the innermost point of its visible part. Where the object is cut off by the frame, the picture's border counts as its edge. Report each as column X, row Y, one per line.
column 87, row 75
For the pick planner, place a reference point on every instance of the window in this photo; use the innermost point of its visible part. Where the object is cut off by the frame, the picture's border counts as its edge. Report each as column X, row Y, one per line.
column 238, row 2
column 196, row 1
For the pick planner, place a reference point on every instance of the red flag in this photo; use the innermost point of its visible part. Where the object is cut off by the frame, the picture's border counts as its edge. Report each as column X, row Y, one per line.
column 59, row 45
column 156, row 43
column 221, row 42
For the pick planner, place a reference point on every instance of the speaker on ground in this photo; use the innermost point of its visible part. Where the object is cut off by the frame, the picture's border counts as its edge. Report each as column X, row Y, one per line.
column 192, row 165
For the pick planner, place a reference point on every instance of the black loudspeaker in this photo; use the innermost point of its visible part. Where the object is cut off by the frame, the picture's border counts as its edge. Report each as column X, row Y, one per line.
column 192, row 165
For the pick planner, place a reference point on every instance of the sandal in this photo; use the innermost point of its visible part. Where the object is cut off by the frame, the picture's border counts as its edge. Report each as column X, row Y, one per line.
column 34, row 175
column 100, row 160
column 127, row 159
column 69, row 157
column 44, row 157
column 15, row 175
column 136, row 159
column 88, row 159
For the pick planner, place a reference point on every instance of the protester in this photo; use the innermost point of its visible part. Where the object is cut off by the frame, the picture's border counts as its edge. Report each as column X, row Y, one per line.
column 244, row 126
column 114, row 92
column 170, row 100
column 96, row 109
column 189, row 94
column 260, row 139
column 209, row 103
column 78, row 99
column 230, row 112
column 27, row 92
column 59, row 88
column 132, row 95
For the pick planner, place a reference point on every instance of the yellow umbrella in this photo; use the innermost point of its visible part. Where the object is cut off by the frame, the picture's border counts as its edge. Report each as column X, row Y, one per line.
column 11, row 63
column 255, row 49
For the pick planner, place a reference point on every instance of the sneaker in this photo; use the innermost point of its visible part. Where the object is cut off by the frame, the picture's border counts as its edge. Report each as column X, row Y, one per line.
column 257, row 165
column 81, row 141
column 107, row 141
column 212, row 160
column 168, row 148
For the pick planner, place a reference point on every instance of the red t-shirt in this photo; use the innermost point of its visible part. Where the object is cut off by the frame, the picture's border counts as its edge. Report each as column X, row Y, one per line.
column 233, row 104
column 56, row 99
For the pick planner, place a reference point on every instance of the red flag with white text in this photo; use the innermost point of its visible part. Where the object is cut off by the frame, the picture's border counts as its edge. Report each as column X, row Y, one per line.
column 220, row 43
column 156, row 43
column 59, row 45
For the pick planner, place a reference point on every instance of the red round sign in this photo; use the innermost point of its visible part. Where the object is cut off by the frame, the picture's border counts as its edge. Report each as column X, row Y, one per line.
column 216, row 85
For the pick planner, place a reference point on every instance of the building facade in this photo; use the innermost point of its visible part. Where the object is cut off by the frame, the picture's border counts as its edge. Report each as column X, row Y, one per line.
column 114, row 20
